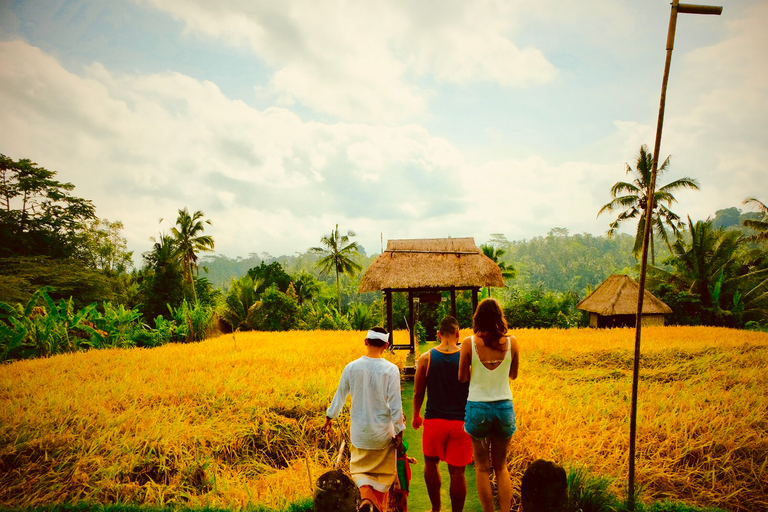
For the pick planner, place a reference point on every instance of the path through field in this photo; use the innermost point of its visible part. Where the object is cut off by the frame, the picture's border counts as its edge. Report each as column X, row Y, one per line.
column 418, row 500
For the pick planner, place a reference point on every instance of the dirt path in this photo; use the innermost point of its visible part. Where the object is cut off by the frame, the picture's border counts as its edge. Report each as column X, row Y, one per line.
column 418, row 500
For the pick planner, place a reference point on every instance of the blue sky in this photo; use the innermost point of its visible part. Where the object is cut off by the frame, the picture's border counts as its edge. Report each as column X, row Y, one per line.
column 396, row 119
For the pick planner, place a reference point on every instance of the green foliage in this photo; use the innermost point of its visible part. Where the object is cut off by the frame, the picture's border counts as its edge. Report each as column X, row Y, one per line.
column 269, row 275
column 306, row 287
column 712, row 280
column 188, row 241
column 116, row 327
column 540, row 309
column 21, row 276
column 192, row 321
column 103, row 248
column 631, row 198
column 162, row 280
column 240, row 298
column 276, row 311
column 420, row 332
column 562, row 262
column 45, row 327
column 338, row 251
column 40, row 216
column 587, row 493
column 361, row 317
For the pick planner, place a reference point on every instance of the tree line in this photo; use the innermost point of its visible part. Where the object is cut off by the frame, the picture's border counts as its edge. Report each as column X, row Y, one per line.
column 64, row 271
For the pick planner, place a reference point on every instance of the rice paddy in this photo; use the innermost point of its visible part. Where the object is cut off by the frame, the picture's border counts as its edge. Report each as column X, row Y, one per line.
column 234, row 421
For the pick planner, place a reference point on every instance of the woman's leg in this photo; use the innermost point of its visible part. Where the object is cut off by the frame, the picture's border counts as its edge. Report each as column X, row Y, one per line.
column 499, row 451
column 483, row 473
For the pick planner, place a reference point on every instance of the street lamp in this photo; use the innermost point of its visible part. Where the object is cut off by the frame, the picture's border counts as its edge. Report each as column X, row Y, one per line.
column 676, row 8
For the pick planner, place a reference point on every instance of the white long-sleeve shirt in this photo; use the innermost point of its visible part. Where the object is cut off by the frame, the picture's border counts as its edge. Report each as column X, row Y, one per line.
column 376, row 415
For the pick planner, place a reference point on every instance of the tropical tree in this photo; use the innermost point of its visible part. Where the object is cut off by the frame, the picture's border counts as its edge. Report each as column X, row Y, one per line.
column 305, row 286
column 338, row 251
column 239, row 300
column 712, row 277
column 189, row 241
column 760, row 225
column 38, row 214
column 632, row 199
column 495, row 254
column 162, row 281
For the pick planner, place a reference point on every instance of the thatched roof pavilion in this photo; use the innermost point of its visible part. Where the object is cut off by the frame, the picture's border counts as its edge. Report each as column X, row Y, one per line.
column 427, row 266
column 614, row 304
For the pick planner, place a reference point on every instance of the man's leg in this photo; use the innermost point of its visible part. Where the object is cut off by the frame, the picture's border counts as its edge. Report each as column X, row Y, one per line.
column 458, row 487
column 376, row 499
column 432, row 479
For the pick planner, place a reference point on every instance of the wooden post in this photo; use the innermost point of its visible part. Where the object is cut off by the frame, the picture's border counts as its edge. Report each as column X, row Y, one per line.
column 388, row 298
column 411, row 326
column 475, row 290
column 453, row 301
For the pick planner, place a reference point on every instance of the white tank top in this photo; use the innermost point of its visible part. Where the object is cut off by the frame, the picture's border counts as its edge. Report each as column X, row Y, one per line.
column 489, row 385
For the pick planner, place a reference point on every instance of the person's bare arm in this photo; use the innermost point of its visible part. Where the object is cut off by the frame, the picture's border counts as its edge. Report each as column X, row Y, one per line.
column 419, row 388
column 515, row 354
column 465, row 360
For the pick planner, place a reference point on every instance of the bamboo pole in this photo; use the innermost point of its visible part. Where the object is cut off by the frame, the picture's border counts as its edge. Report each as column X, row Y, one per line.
column 648, row 219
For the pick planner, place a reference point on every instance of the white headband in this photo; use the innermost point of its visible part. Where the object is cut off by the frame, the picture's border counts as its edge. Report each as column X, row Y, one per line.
column 373, row 335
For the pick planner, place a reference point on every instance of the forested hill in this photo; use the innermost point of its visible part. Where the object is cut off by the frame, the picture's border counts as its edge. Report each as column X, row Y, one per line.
column 558, row 261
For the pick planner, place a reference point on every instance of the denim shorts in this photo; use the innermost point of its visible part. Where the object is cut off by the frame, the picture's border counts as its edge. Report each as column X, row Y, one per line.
column 494, row 419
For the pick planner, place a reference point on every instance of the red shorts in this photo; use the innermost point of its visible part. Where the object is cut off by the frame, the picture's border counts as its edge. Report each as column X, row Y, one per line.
column 446, row 440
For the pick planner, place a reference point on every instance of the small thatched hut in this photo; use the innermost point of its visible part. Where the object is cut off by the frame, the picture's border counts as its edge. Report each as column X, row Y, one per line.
column 614, row 304
column 425, row 267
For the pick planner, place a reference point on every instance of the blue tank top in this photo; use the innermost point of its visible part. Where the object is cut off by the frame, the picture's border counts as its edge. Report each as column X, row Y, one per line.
column 446, row 396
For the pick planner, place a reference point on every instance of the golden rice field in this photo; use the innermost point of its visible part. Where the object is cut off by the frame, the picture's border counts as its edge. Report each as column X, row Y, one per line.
column 234, row 421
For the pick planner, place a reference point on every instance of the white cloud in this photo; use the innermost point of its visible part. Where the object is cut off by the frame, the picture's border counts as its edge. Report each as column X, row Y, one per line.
column 143, row 146
column 361, row 61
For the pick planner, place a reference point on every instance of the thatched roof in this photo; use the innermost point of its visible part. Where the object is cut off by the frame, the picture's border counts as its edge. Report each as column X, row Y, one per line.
column 617, row 295
column 431, row 263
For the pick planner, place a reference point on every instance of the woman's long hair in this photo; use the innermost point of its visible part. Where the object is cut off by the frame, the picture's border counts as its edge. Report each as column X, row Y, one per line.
column 489, row 322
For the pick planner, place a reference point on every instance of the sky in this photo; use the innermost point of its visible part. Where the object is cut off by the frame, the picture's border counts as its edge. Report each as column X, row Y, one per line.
column 393, row 119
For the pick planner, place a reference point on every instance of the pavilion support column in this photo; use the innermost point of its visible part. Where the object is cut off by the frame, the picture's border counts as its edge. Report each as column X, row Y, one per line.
column 411, row 322
column 453, row 302
column 388, row 299
column 474, row 300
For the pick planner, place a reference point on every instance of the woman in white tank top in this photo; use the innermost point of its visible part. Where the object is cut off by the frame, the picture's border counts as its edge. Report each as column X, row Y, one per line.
column 489, row 359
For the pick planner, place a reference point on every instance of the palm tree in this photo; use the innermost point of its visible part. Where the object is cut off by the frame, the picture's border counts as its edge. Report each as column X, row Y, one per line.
column 189, row 241
column 634, row 201
column 761, row 226
column 305, row 286
column 338, row 252
column 507, row 272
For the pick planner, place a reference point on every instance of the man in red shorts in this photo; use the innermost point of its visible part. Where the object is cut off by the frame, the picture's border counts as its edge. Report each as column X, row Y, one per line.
column 437, row 373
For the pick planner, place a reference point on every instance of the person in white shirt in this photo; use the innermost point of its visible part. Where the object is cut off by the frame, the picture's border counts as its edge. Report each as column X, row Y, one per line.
column 376, row 420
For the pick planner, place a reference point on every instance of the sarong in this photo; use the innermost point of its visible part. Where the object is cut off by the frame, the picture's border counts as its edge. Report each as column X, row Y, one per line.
column 377, row 468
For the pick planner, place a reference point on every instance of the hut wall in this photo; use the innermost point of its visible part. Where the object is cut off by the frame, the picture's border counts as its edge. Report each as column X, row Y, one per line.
column 599, row 321
column 650, row 320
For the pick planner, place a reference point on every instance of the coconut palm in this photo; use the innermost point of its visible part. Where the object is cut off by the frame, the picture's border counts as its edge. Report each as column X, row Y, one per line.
column 632, row 199
column 704, row 261
column 507, row 271
column 305, row 285
column 338, row 251
column 189, row 241
column 761, row 225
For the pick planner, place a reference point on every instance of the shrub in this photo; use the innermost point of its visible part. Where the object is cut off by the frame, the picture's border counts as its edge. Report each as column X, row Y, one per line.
column 276, row 311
